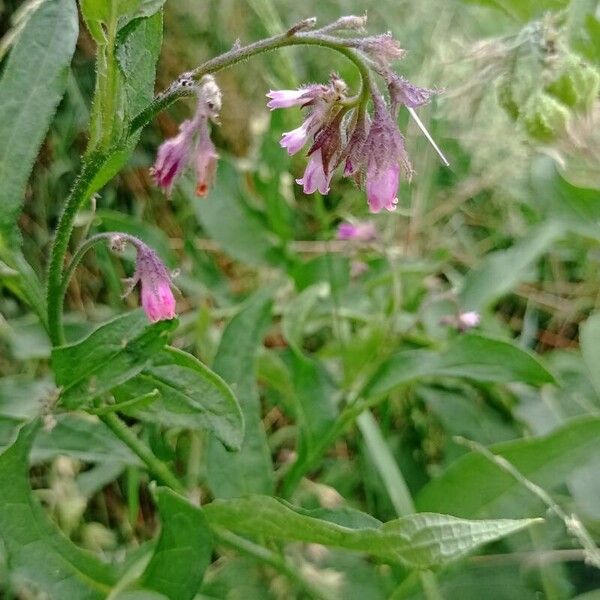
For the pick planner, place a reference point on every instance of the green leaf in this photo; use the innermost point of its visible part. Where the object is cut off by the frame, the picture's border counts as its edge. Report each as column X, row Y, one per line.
column 419, row 541
column 38, row 553
column 250, row 470
column 589, row 335
column 502, row 270
column 190, row 396
column 82, row 437
column 575, row 208
column 138, row 48
column 32, row 84
column 228, row 219
column 475, row 487
column 471, row 356
column 183, row 551
column 523, row 10
column 109, row 356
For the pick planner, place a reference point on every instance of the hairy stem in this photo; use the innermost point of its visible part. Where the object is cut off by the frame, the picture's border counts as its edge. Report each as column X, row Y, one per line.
column 154, row 464
column 82, row 188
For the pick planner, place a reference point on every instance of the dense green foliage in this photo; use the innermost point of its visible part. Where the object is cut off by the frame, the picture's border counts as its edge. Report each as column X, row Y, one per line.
column 318, row 422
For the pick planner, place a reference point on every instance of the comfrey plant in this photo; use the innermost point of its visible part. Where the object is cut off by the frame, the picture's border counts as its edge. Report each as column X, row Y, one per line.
column 126, row 389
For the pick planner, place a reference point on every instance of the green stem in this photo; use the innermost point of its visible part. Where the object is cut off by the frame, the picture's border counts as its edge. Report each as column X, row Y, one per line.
column 267, row 557
column 82, row 188
column 155, row 465
column 80, row 192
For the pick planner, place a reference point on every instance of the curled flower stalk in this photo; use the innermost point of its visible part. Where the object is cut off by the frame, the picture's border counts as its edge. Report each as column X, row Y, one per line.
column 333, row 124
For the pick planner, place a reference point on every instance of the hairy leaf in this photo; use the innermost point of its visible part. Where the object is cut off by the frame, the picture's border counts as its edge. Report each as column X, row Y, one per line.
column 419, row 541
column 190, row 396
column 250, row 470
column 475, row 487
column 470, row 356
column 110, row 355
column 38, row 553
column 32, row 84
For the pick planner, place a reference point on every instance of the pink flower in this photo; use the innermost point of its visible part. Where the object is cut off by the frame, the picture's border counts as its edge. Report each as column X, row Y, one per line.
column 192, row 144
column 158, row 301
column 382, row 187
column 361, row 232
column 206, row 162
column 315, row 177
column 157, row 297
column 468, row 320
column 287, row 98
column 295, row 139
column 299, row 97
column 172, row 157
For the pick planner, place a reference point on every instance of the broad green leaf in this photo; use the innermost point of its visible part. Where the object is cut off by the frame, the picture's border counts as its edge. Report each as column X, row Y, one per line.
column 38, row 553
column 249, row 470
column 502, row 270
column 523, row 10
column 32, row 84
column 589, row 335
column 109, row 356
column 471, row 356
column 475, row 487
column 83, row 437
column 419, row 541
column 228, row 219
column 138, row 47
column 575, row 208
column 190, row 396
column 183, row 551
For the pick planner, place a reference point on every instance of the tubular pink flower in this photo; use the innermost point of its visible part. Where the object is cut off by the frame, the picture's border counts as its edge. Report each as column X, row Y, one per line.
column 315, row 177
column 382, row 187
column 172, row 157
column 468, row 320
column 157, row 297
column 360, row 232
column 294, row 140
column 286, row 98
column 158, row 301
column 206, row 162
column 192, row 144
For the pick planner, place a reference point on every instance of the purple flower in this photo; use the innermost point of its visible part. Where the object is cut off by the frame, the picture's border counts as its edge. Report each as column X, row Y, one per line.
column 172, row 158
column 157, row 297
column 380, row 158
column 315, row 177
column 206, row 162
column 192, row 144
column 382, row 186
column 294, row 140
column 361, row 232
column 287, row 98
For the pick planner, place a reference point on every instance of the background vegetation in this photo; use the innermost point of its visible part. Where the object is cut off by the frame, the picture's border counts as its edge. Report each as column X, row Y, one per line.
column 358, row 392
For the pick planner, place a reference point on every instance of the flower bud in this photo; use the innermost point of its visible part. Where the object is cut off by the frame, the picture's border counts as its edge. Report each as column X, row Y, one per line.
column 577, row 84
column 544, row 117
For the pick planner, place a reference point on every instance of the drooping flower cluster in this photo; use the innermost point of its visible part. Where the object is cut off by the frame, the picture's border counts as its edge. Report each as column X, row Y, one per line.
column 192, row 145
column 155, row 281
column 370, row 147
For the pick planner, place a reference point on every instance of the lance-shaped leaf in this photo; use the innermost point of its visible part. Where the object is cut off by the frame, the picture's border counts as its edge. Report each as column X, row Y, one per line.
column 419, row 541
column 183, row 551
column 38, row 554
column 250, row 470
column 475, row 487
column 32, row 84
column 470, row 356
column 190, row 395
column 109, row 356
